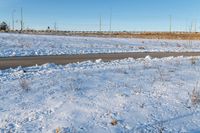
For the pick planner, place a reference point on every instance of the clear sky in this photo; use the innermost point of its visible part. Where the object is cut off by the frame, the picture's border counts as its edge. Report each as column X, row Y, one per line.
column 129, row 15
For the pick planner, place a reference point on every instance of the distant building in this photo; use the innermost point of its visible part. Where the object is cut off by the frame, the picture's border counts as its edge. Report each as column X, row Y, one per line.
column 3, row 26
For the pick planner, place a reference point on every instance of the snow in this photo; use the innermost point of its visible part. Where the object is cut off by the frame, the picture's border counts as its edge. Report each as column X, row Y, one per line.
column 25, row 45
column 143, row 95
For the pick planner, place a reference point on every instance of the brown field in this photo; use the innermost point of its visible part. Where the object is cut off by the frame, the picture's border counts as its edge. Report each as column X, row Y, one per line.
column 149, row 35
column 146, row 35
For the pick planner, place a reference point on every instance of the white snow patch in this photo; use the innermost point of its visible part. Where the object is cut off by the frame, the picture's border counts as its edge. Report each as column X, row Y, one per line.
column 26, row 45
column 143, row 95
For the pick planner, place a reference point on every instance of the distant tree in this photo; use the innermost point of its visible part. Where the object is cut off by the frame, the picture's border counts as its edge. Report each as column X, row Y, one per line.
column 48, row 29
column 4, row 26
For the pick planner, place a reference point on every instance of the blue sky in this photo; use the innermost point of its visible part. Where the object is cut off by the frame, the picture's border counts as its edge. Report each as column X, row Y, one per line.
column 145, row 15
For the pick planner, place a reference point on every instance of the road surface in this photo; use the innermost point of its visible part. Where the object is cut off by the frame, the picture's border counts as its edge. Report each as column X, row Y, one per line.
column 12, row 62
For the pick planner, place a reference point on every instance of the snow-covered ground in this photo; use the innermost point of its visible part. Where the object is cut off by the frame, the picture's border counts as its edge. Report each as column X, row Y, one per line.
column 25, row 45
column 124, row 96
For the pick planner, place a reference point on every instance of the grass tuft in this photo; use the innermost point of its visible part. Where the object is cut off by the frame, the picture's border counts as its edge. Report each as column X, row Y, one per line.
column 24, row 85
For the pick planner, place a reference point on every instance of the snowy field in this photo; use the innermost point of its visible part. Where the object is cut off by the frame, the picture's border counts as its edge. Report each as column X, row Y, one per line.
column 25, row 45
column 124, row 96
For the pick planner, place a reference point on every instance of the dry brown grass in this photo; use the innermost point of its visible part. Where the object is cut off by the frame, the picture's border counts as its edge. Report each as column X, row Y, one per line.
column 114, row 122
column 145, row 35
column 57, row 130
column 141, row 47
column 194, row 60
column 195, row 97
column 24, row 85
column 149, row 35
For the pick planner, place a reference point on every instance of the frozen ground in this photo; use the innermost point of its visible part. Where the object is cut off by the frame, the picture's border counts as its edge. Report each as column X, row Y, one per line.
column 125, row 96
column 24, row 45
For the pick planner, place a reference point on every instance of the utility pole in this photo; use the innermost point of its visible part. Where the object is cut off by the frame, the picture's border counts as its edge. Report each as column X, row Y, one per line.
column 55, row 26
column 111, row 20
column 22, row 20
column 186, row 26
column 191, row 27
column 100, row 23
column 195, row 26
column 170, row 23
column 13, row 20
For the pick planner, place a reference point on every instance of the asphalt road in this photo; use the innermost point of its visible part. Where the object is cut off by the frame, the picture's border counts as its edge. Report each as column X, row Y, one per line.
column 12, row 62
